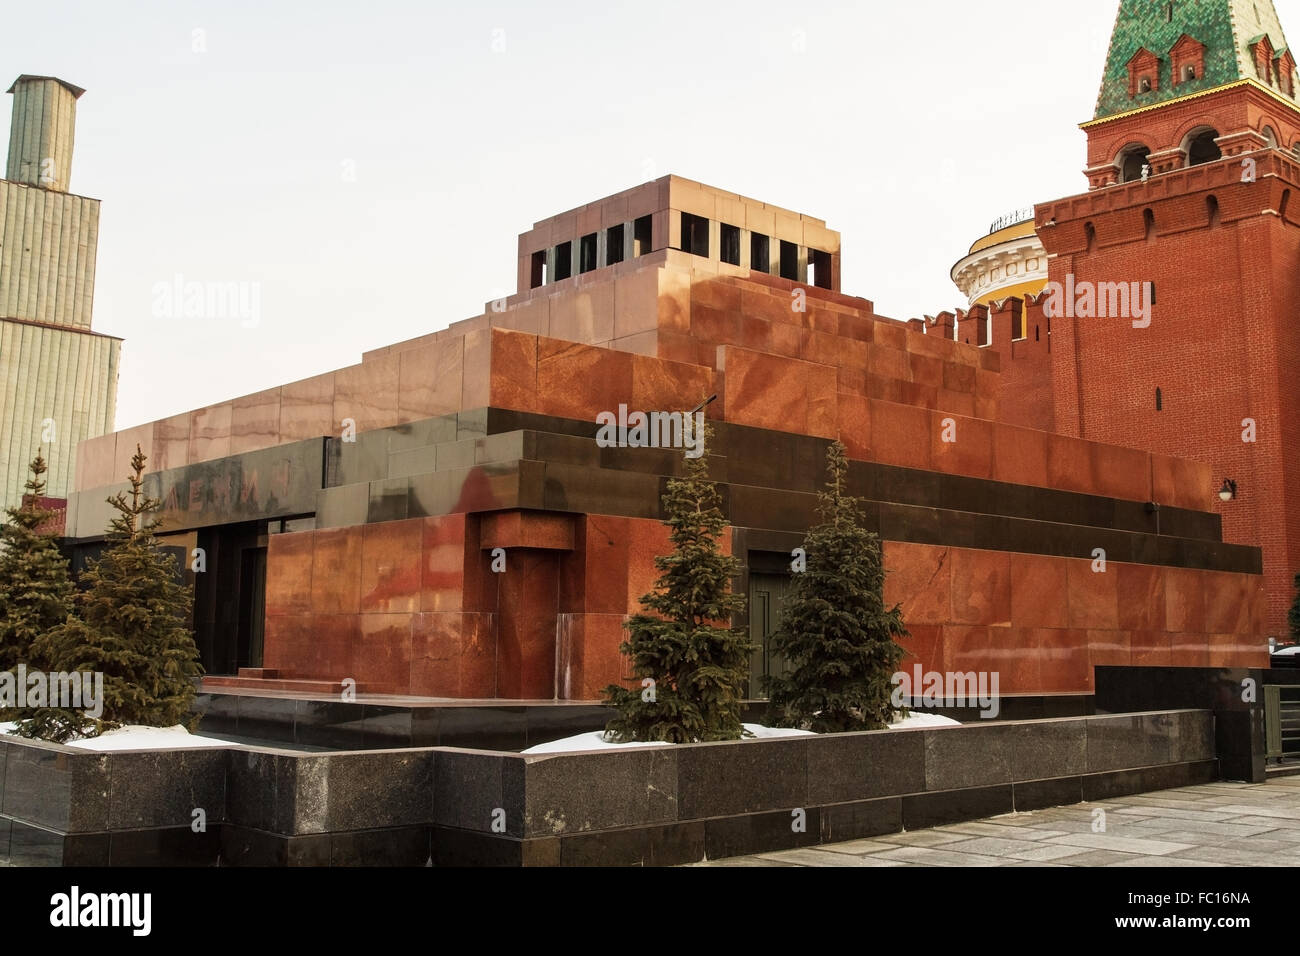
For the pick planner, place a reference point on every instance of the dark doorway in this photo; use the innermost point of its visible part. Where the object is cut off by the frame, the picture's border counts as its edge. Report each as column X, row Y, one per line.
column 230, row 597
column 768, row 594
column 252, row 606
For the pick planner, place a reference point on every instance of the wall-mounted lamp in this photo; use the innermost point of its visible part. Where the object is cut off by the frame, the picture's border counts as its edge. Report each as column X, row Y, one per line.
column 1228, row 491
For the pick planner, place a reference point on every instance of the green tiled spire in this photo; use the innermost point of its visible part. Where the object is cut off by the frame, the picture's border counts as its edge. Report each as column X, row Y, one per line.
column 1226, row 27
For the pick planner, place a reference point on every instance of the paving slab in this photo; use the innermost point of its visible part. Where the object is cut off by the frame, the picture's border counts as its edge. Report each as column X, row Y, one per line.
column 930, row 856
column 1175, row 812
column 1288, row 830
column 1211, row 827
column 999, row 830
column 1108, row 841
column 807, row 856
column 1214, row 824
column 1164, row 862
column 906, row 838
column 1012, row 849
column 1236, row 856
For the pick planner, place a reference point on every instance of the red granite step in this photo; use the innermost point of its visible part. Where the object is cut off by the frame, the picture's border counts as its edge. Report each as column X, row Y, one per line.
column 298, row 685
column 260, row 672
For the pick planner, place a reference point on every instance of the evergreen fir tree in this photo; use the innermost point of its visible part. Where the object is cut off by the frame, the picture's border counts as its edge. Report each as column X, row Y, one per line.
column 132, row 624
column 698, row 662
column 35, row 587
column 837, row 637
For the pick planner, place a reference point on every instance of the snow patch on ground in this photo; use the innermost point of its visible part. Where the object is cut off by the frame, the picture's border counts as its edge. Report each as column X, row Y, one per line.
column 135, row 737
column 595, row 740
column 913, row 719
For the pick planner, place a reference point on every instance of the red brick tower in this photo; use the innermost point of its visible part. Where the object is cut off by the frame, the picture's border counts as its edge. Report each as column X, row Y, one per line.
column 1192, row 165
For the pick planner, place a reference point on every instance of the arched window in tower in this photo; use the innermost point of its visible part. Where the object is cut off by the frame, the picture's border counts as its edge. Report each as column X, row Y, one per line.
column 1149, row 225
column 1187, row 59
column 1131, row 163
column 1282, row 204
column 1201, row 147
column 1212, row 210
column 1090, row 236
column 1261, row 49
column 1285, row 70
column 1143, row 72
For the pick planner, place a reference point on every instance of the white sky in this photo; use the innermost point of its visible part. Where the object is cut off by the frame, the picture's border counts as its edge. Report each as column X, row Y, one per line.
column 908, row 127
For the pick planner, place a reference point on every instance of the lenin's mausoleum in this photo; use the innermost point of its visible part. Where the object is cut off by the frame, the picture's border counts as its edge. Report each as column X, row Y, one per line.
column 1044, row 470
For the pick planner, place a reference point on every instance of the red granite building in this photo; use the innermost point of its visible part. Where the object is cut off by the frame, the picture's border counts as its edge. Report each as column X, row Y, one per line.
column 350, row 523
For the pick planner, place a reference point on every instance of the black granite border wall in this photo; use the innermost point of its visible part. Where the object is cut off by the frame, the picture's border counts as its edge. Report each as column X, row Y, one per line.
column 1234, row 695
column 648, row 806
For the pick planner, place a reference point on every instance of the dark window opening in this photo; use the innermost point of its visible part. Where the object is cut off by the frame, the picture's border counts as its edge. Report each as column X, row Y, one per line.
column 614, row 244
column 537, row 270
column 1189, row 73
column 1152, row 287
column 641, row 236
column 1144, row 85
column 1132, row 164
column 695, row 235
column 729, row 244
column 1017, row 322
column 789, row 261
column 587, row 253
column 819, row 264
column 1212, row 209
column 1203, row 149
column 1160, row 401
column 563, row 261
column 1090, row 236
column 1035, row 333
column 1281, row 206
column 758, row 253
column 1149, row 224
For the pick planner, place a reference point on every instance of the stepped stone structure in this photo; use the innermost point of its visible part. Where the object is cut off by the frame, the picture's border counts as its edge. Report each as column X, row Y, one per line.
column 349, row 522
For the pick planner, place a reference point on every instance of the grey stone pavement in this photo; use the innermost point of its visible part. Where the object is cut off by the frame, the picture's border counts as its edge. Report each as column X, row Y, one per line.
column 1214, row 824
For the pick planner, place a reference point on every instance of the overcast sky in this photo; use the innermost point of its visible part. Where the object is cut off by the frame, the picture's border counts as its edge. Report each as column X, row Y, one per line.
column 370, row 164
